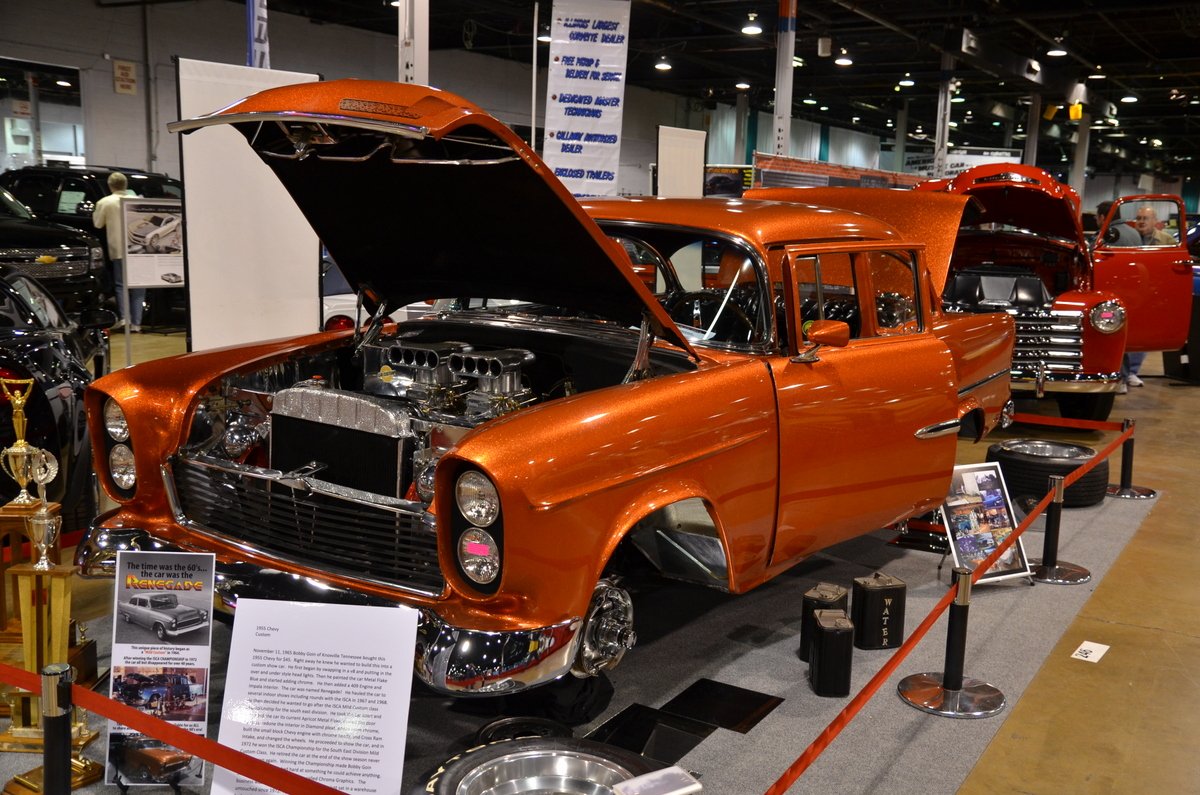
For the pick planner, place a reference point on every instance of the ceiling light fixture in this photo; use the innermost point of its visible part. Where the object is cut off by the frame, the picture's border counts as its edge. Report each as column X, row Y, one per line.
column 907, row 82
column 958, row 99
column 752, row 28
column 797, row 61
column 544, row 34
column 1129, row 99
column 1057, row 50
column 844, row 59
column 741, row 85
column 809, row 101
column 662, row 64
column 1098, row 74
column 823, row 108
column 63, row 83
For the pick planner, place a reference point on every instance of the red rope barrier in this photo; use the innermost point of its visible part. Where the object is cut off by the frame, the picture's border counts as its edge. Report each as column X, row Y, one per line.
column 220, row 755
column 1063, row 422
column 843, row 718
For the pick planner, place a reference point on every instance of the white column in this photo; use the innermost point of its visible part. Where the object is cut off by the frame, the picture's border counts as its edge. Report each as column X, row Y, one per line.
column 785, row 48
column 413, row 31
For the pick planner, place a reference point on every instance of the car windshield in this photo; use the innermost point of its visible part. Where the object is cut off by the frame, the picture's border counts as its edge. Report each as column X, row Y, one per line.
column 11, row 208
column 163, row 602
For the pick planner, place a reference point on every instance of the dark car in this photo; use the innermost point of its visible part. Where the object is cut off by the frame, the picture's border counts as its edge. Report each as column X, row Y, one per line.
column 39, row 341
column 70, row 263
column 68, row 194
column 151, row 691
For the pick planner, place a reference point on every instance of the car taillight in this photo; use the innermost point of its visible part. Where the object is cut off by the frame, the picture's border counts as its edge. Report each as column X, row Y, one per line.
column 338, row 323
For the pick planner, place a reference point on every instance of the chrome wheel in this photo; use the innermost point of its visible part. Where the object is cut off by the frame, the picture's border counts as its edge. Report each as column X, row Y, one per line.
column 547, row 772
column 1047, row 449
column 607, row 631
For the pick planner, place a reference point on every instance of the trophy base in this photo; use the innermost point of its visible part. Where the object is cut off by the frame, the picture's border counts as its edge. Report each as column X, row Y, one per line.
column 29, row 740
column 24, row 498
column 83, row 772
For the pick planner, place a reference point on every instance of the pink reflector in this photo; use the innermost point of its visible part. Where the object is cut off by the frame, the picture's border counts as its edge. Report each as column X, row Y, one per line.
column 476, row 548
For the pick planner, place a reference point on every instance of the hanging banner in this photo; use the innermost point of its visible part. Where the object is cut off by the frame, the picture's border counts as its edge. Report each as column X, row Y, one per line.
column 161, row 643
column 585, row 94
column 258, row 50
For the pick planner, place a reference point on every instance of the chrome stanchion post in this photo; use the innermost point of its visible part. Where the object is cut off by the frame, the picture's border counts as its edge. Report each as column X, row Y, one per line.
column 56, row 728
column 1049, row 569
column 1125, row 490
column 949, row 693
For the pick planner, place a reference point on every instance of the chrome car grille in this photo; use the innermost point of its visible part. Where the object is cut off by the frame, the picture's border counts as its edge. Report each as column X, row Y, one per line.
column 189, row 621
column 318, row 531
column 1052, row 339
column 68, row 261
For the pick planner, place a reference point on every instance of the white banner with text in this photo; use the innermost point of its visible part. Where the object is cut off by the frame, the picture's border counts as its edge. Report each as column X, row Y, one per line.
column 585, row 94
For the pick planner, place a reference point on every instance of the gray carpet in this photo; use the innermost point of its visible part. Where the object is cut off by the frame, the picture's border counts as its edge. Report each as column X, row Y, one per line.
column 685, row 633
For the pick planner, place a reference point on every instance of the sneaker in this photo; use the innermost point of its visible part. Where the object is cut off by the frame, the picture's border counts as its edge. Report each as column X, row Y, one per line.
column 138, row 330
column 1132, row 380
column 1122, row 388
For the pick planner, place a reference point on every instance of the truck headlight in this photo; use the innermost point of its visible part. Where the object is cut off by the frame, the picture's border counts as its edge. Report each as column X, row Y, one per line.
column 96, row 255
column 1107, row 317
column 477, row 498
column 479, row 556
column 120, row 466
column 115, row 423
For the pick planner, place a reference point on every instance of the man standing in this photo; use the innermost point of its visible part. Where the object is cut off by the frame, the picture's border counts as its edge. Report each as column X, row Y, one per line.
column 1146, row 222
column 107, row 216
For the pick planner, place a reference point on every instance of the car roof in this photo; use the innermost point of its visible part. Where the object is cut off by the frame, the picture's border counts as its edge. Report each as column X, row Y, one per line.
column 96, row 170
column 761, row 223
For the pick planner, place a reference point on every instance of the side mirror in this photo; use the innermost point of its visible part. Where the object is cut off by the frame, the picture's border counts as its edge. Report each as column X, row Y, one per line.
column 97, row 318
column 835, row 333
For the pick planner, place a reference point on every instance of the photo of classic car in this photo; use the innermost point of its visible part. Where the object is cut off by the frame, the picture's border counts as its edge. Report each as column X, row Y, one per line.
column 138, row 759
column 158, row 691
column 163, row 614
column 498, row 466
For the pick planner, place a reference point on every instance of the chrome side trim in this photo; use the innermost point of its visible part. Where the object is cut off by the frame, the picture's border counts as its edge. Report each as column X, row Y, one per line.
column 939, row 429
column 972, row 387
column 406, row 130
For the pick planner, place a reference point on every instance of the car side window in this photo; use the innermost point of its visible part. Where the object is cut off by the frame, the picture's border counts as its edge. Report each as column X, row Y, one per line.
column 828, row 290
column 894, row 284
column 74, row 191
column 39, row 192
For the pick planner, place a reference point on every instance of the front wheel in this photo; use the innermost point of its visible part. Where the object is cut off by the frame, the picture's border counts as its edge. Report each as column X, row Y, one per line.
column 538, row 764
column 160, row 631
column 1075, row 406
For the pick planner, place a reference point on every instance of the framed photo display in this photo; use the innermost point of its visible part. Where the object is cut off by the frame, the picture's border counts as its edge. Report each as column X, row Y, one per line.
column 979, row 517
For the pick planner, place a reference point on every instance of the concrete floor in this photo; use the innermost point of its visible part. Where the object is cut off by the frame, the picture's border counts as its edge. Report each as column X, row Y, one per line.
column 1128, row 724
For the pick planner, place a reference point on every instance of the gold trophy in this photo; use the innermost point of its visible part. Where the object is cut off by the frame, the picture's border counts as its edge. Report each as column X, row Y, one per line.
column 43, row 527
column 17, row 460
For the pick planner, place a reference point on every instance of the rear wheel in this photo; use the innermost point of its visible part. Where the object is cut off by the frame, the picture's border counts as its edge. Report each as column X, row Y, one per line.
column 1073, row 406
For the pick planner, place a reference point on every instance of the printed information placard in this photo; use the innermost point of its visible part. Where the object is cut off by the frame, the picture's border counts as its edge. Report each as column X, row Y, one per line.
column 160, row 662
column 153, row 242
column 585, row 94
column 321, row 690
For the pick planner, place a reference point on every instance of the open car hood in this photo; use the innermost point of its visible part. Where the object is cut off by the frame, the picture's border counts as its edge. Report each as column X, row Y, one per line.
column 418, row 193
column 1017, row 195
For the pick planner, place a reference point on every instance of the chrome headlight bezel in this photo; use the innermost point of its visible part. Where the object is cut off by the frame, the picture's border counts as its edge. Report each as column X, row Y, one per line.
column 1107, row 317
column 116, row 425
column 477, row 498
column 96, row 256
column 121, row 467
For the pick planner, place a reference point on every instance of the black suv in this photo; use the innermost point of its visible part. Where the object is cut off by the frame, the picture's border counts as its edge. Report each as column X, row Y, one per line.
column 70, row 263
column 68, row 194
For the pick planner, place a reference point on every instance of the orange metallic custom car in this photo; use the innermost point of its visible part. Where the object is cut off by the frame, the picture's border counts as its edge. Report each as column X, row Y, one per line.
column 718, row 387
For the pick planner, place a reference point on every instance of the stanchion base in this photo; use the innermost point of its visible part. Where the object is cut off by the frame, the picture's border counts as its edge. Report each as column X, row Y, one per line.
column 977, row 699
column 83, row 772
column 1062, row 574
column 1131, row 493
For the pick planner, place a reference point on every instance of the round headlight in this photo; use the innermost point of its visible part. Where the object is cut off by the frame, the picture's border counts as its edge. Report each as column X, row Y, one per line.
column 1108, row 317
column 477, row 498
column 120, row 465
column 479, row 556
column 114, row 421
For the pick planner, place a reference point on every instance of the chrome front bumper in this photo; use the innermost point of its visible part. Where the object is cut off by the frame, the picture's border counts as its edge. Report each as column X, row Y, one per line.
column 451, row 660
column 1042, row 381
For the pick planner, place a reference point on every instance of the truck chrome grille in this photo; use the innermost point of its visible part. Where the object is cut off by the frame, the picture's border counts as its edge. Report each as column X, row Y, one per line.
column 320, row 531
column 68, row 262
column 1054, row 339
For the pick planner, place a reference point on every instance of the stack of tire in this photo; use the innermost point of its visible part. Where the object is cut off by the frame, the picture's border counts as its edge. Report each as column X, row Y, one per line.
column 1027, row 465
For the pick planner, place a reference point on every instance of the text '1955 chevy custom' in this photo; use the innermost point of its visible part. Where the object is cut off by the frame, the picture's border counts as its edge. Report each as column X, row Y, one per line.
column 639, row 380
